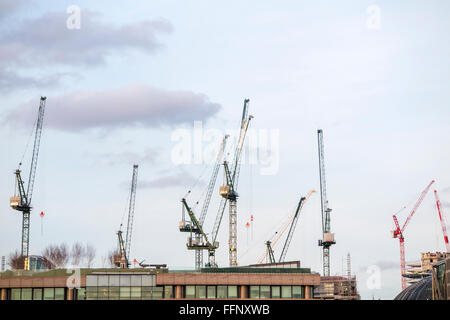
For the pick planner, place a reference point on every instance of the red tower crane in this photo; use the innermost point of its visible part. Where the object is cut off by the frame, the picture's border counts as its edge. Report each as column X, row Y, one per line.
column 398, row 232
column 444, row 228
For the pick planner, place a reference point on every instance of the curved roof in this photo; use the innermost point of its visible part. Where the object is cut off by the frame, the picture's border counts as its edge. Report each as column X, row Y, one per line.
column 418, row 291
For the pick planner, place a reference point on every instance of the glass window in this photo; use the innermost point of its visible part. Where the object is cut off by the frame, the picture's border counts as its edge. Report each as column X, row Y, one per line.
column 286, row 292
column 232, row 292
column 125, row 280
column 102, row 293
column 81, row 293
column 221, row 292
column 27, row 293
column 190, row 291
column 211, row 292
column 114, row 280
column 91, row 293
column 168, row 292
column 102, row 281
column 146, row 293
column 254, row 292
column 157, row 292
column 264, row 292
column 15, row 294
column 124, row 293
column 114, row 293
column 148, row 280
column 275, row 292
column 136, row 280
column 297, row 292
column 49, row 294
column 200, row 292
column 91, row 280
column 136, row 293
column 59, row 293
column 37, row 294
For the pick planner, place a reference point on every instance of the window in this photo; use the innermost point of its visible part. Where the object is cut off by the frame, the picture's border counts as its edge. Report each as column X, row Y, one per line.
column 37, row 294
column 27, row 293
column 114, row 293
column 168, row 292
column 275, row 292
column 124, row 293
column 136, row 280
column 158, row 292
column 102, row 293
column 114, row 280
column 254, row 292
column 211, row 292
column 81, row 293
column 148, row 280
column 49, row 294
column 91, row 280
column 200, row 292
column 125, row 280
column 232, row 292
column 91, row 293
column 264, row 292
column 136, row 293
column 286, row 292
column 103, row 281
column 297, row 292
column 59, row 294
column 221, row 292
column 15, row 294
column 190, row 291
column 146, row 293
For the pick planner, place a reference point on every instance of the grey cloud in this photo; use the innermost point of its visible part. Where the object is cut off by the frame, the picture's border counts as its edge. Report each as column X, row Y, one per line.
column 177, row 180
column 148, row 156
column 47, row 42
column 132, row 105
column 8, row 7
column 383, row 265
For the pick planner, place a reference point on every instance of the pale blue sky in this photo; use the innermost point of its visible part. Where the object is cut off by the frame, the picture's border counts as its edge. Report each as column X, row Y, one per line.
column 381, row 97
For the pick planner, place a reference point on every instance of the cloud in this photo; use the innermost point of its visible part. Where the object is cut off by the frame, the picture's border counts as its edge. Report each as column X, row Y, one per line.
column 181, row 179
column 149, row 156
column 47, row 42
column 128, row 106
column 383, row 265
column 8, row 7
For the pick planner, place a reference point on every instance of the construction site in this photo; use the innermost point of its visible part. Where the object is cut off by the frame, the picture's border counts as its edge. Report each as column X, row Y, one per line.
column 224, row 151
column 38, row 277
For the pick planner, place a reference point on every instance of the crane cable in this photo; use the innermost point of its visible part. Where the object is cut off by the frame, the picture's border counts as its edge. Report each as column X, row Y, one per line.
column 28, row 142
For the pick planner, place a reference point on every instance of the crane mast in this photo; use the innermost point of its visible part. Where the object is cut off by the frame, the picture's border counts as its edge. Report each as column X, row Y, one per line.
column 398, row 232
column 122, row 259
column 211, row 185
column 442, row 220
column 22, row 201
column 328, row 238
column 229, row 192
column 301, row 203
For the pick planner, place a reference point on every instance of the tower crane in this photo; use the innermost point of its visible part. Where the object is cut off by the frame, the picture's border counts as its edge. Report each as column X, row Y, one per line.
column 328, row 238
column 293, row 225
column 22, row 201
column 121, row 260
column 229, row 190
column 442, row 219
column 291, row 221
column 190, row 227
column 270, row 252
column 398, row 232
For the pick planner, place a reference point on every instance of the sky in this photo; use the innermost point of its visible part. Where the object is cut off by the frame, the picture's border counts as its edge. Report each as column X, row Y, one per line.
column 159, row 83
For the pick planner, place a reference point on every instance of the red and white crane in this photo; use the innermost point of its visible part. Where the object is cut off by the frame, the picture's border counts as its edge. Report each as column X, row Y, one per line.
column 442, row 219
column 398, row 232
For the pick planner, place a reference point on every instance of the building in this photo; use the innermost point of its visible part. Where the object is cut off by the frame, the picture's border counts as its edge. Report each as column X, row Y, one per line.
column 417, row 271
column 441, row 280
column 147, row 284
column 337, row 288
